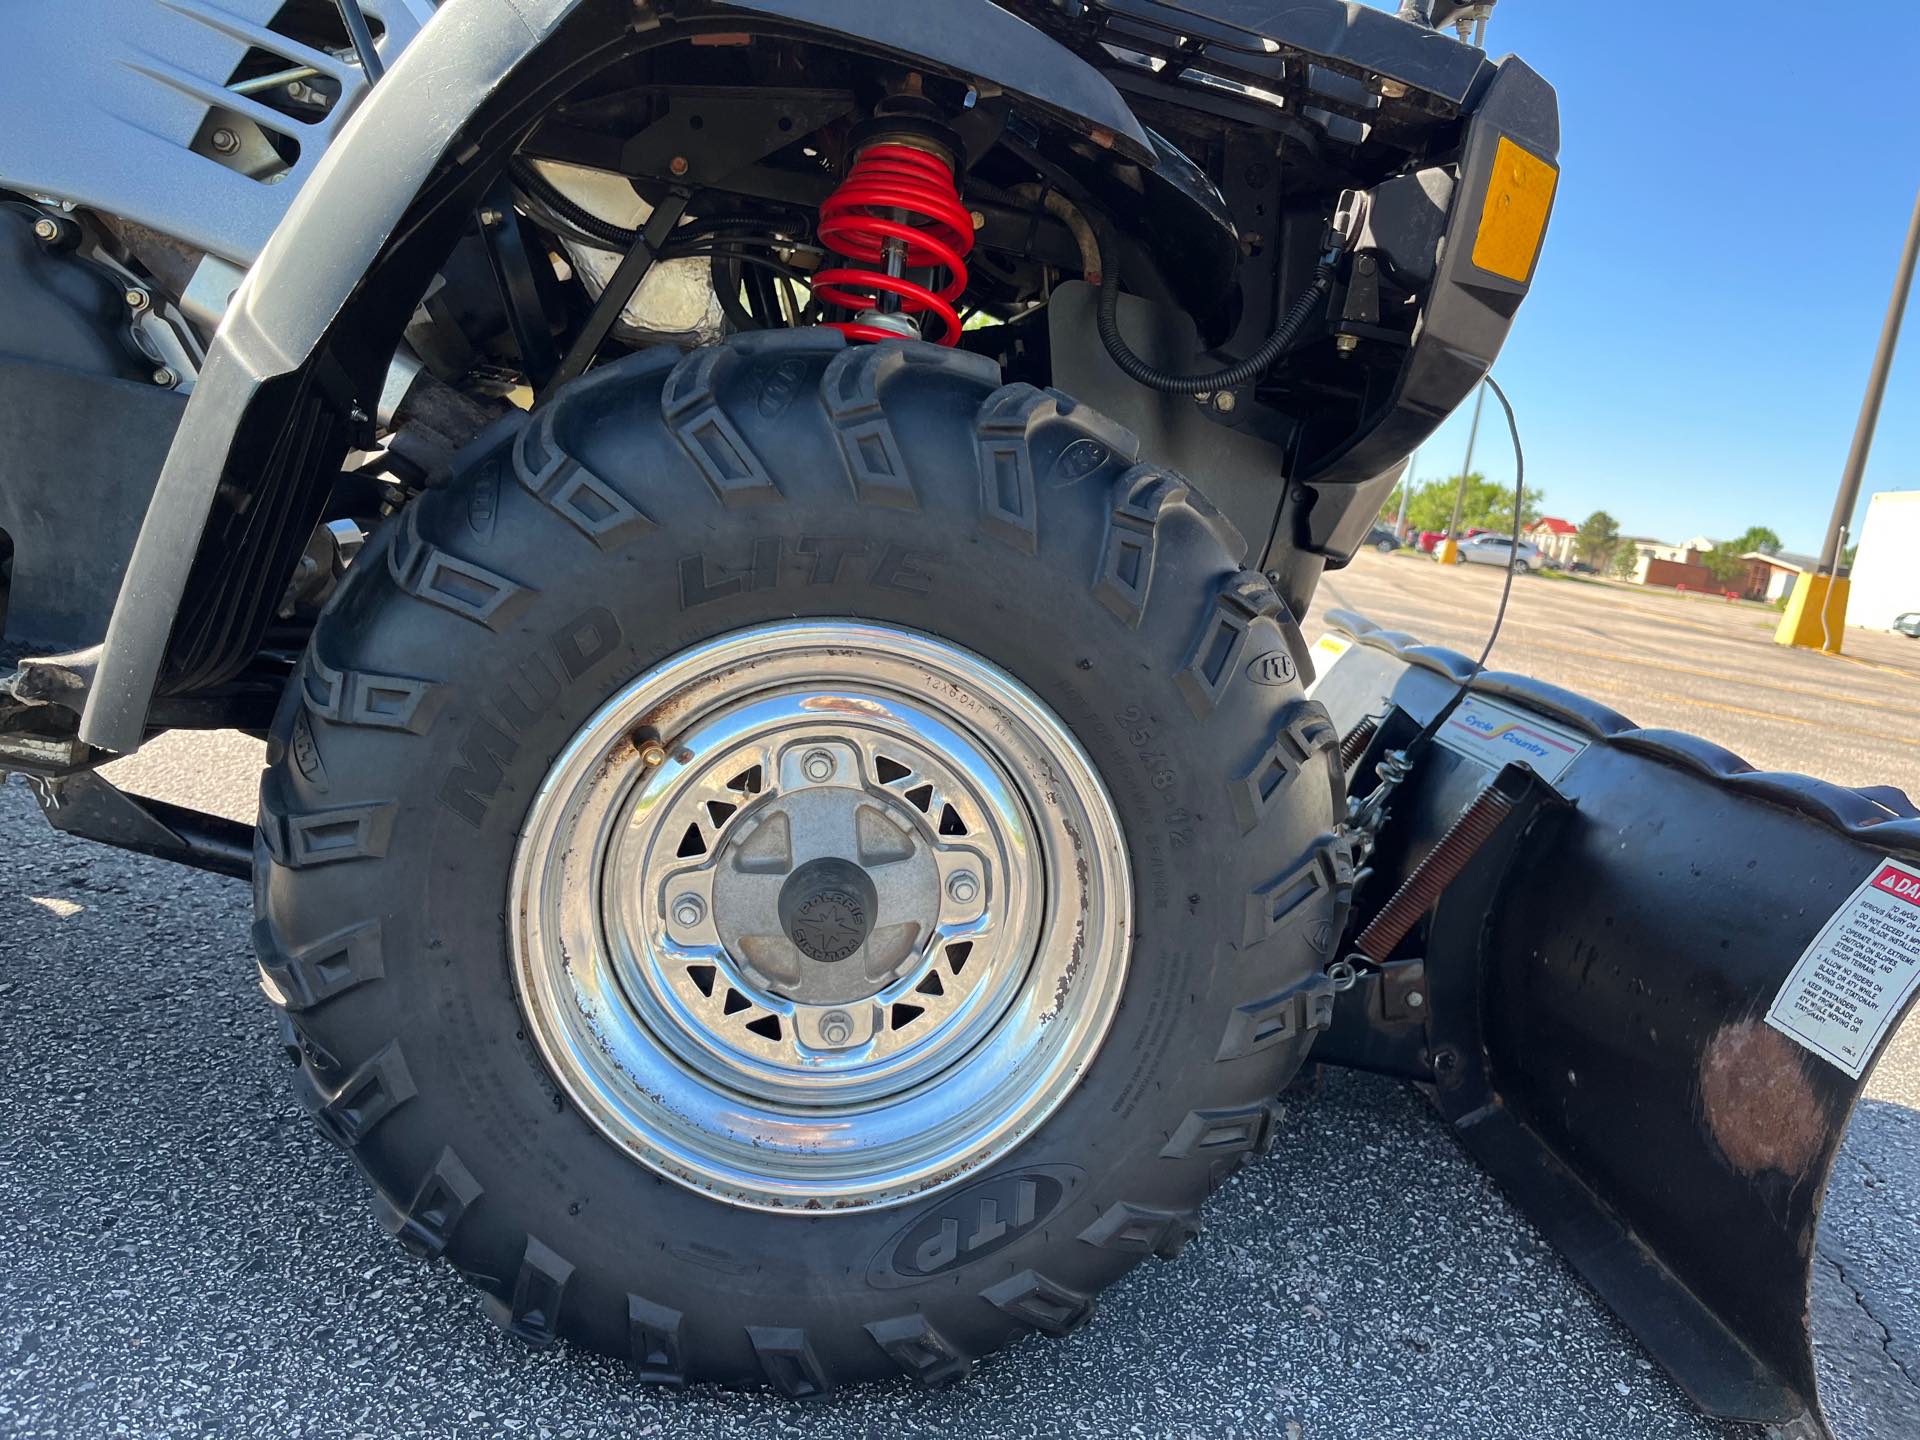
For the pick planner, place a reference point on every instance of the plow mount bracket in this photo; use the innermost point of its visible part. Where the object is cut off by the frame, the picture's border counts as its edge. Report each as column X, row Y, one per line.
column 1603, row 1004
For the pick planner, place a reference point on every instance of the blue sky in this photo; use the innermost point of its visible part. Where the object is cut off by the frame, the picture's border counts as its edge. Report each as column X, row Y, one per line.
column 1736, row 181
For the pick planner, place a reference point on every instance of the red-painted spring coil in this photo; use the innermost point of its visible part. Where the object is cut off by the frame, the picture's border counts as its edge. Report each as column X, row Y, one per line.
column 895, row 192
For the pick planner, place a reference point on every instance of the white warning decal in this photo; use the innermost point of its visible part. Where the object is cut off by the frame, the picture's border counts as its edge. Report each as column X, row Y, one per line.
column 1854, row 978
column 1496, row 735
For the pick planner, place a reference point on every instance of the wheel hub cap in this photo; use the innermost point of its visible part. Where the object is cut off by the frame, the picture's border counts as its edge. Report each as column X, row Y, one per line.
column 856, row 937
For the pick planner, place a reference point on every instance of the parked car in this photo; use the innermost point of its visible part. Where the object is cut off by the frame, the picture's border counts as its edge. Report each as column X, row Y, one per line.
column 1909, row 624
column 1488, row 548
column 1383, row 539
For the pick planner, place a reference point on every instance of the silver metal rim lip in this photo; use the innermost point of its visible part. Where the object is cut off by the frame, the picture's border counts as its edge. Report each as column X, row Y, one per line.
column 594, row 966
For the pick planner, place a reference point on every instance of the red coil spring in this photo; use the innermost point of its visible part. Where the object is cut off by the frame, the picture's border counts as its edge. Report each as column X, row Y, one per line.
column 859, row 218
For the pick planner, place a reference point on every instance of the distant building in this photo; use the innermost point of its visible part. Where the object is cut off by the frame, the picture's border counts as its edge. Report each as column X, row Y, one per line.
column 1553, row 538
column 1772, row 577
column 1676, row 574
column 1656, row 562
column 1886, row 567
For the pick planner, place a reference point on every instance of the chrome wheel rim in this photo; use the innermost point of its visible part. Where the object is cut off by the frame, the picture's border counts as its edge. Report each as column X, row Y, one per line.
column 820, row 915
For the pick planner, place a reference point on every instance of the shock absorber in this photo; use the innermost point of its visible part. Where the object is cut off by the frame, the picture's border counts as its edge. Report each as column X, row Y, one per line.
column 897, row 210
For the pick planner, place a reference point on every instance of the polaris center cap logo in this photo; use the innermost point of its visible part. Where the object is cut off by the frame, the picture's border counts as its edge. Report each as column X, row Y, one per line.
column 830, row 925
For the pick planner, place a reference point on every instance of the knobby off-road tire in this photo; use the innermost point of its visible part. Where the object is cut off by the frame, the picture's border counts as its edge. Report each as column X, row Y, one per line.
column 659, row 504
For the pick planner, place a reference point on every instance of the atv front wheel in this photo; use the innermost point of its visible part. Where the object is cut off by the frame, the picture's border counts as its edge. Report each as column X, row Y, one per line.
column 803, row 863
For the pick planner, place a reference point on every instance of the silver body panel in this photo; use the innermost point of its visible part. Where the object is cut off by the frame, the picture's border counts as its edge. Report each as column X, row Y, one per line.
column 275, row 321
column 106, row 97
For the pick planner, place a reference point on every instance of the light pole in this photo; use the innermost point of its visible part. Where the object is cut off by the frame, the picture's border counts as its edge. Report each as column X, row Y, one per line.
column 1406, row 493
column 1816, row 615
column 1449, row 547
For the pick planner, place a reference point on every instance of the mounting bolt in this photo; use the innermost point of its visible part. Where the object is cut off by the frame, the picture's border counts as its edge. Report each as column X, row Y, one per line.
column 164, row 376
column 1346, row 344
column 136, row 300
column 653, row 754
column 979, row 219
column 818, row 766
column 1415, row 999
column 689, row 910
column 678, row 165
column 963, row 887
column 836, row 1027
column 224, row 141
column 47, row 228
column 491, row 218
column 1224, row 401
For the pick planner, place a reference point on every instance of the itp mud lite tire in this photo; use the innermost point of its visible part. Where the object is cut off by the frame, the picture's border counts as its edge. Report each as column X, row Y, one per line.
column 1102, row 706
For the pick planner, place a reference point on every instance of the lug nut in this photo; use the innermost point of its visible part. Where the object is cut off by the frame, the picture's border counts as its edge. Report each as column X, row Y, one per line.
column 818, row 766
column 963, row 887
column 836, row 1027
column 689, row 910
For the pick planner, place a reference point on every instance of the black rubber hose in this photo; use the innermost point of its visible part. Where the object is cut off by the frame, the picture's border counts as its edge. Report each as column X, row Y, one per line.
column 361, row 38
column 578, row 216
column 1251, row 368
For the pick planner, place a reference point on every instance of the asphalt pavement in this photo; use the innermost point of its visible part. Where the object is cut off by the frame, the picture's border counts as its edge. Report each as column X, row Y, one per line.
column 180, row 1253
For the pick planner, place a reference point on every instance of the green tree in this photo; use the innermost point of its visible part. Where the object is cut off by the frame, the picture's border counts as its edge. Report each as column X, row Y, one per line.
column 1599, row 534
column 1487, row 506
column 1626, row 560
column 1723, row 562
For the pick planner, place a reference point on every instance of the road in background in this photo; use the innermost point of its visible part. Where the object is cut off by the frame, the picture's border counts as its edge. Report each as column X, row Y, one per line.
column 181, row 1254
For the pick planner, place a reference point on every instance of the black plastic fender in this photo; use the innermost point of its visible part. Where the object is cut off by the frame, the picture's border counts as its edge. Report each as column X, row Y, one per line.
column 260, row 412
column 1468, row 314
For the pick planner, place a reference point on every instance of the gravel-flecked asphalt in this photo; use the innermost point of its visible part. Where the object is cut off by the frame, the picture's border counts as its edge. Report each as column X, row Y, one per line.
column 181, row 1254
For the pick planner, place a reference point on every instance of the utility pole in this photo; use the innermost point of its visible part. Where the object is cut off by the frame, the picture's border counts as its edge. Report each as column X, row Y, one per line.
column 1406, row 493
column 1450, row 547
column 1816, row 616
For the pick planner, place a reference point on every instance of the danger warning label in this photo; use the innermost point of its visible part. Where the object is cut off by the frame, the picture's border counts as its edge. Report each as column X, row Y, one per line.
column 1849, row 986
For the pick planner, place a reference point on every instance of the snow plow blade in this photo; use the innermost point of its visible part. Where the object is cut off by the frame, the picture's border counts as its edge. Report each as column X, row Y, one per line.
column 1608, row 1002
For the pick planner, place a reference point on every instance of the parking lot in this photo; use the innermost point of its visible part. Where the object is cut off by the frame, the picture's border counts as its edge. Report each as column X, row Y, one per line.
column 1679, row 661
column 180, row 1251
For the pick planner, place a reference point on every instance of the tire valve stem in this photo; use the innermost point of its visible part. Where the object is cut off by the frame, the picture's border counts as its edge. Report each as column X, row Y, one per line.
column 1441, row 866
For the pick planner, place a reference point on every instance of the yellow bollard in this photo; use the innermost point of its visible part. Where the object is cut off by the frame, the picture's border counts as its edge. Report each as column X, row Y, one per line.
column 1814, row 597
column 1447, row 553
